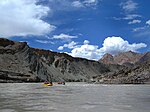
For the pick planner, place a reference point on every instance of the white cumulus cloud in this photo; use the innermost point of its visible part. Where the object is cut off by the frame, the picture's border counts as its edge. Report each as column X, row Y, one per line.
column 139, row 29
column 70, row 45
column 90, row 2
column 84, row 3
column 115, row 45
column 148, row 22
column 64, row 36
column 112, row 45
column 143, row 30
column 128, row 17
column 129, row 12
column 23, row 17
column 129, row 6
column 86, row 51
column 70, row 5
column 134, row 21
column 86, row 42
column 77, row 4
column 44, row 42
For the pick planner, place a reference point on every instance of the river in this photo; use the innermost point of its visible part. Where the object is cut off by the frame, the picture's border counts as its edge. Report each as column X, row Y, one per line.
column 74, row 97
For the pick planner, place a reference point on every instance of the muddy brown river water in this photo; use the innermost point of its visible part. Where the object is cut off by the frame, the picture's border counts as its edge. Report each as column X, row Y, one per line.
column 74, row 97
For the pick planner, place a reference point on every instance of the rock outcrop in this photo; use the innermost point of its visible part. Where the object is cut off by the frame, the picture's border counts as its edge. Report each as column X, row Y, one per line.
column 144, row 59
column 122, row 58
column 134, row 69
column 138, row 74
column 20, row 63
column 107, row 59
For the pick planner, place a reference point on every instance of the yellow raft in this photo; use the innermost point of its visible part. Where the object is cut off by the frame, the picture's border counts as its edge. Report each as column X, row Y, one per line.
column 47, row 84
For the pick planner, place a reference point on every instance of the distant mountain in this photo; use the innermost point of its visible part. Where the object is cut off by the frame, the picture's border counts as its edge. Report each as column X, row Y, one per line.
column 20, row 63
column 145, row 58
column 107, row 59
column 122, row 58
column 135, row 68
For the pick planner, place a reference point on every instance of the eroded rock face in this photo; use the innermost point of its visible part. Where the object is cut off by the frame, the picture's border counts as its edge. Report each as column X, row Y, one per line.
column 5, row 42
column 122, row 58
column 134, row 69
column 107, row 59
column 20, row 63
column 145, row 58
column 127, row 57
column 139, row 74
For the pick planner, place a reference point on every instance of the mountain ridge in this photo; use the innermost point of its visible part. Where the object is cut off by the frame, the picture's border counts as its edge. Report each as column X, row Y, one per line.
column 135, row 69
column 41, row 65
column 121, row 58
column 21, row 63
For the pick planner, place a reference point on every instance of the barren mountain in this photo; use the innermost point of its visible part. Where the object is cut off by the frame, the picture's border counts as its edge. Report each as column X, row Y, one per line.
column 135, row 69
column 145, row 58
column 107, row 59
column 139, row 74
column 20, row 63
column 122, row 58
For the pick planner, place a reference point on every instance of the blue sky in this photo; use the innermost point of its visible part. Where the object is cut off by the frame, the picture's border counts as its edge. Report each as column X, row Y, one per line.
column 81, row 28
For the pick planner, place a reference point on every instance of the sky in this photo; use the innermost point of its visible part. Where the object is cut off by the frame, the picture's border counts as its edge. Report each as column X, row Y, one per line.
column 80, row 28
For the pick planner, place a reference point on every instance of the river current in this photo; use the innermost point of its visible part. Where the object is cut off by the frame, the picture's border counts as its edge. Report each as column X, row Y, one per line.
column 74, row 97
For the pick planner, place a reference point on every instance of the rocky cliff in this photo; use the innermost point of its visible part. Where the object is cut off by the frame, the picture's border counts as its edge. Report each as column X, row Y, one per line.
column 122, row 58
column 139, row 74
column 135, row 69
column 20, row 63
